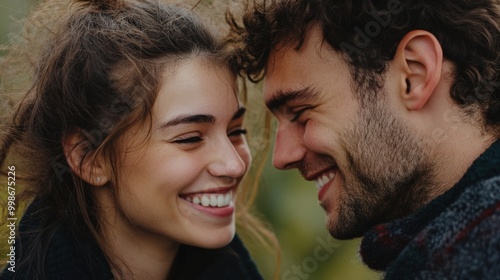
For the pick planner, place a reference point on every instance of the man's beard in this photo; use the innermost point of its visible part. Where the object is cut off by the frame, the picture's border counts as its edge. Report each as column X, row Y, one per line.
column 387, row 175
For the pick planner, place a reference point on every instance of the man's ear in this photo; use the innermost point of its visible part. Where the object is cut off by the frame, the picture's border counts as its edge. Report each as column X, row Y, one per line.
column 420, row 58
column 82, row 161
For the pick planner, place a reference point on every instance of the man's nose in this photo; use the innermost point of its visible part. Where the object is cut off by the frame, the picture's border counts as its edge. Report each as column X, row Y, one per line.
column 288, row 148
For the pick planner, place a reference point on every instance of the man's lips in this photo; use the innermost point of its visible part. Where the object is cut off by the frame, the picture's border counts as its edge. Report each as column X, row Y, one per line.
column 323, row 179
column 313, row 176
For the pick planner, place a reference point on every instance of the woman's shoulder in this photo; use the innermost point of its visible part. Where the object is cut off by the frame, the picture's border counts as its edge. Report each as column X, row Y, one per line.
column 230, row 262
column 243, row 255
column 55, row 252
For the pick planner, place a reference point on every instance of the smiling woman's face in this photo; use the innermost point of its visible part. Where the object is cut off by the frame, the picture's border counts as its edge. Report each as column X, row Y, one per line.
column 180, row 184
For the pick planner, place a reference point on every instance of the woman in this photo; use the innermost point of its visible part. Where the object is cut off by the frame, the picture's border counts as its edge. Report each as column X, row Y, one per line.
column 132, row 147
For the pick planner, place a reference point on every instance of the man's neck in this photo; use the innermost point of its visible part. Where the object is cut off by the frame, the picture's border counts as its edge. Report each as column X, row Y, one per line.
column 457, row 151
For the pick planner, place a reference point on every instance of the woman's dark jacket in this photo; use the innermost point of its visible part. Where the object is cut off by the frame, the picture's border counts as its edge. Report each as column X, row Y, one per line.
column 68, row 259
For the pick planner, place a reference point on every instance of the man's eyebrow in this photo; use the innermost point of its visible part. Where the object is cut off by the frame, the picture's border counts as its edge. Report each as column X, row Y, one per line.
column 187, row 119
column 241, row 111
column 281, row 98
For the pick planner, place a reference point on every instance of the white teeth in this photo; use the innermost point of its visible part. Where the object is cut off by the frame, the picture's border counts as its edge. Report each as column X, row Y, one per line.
column 220, row 200
column 213, row 200
column 317, row 184
column 321, row 181
column 205, row 201
column 325, row 179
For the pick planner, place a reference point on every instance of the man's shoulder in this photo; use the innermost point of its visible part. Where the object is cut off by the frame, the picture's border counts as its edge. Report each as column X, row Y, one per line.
column 493, row 182
column 485, row 193
column 472, row 245
column 477, row 206
column 462, row 241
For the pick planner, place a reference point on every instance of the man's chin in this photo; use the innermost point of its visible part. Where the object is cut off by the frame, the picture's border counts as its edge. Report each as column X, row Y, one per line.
column 344, row 235
column 344, row 231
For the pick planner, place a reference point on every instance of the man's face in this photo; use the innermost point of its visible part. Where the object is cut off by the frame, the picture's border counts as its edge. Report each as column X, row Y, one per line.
column 370, row 167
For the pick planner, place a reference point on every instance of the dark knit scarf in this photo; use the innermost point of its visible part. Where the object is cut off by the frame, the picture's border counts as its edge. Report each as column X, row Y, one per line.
column 455, row 236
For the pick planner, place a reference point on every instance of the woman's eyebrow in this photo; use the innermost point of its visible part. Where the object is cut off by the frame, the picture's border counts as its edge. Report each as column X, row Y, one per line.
column 241, row 111
column 187, row 119
column 199, row 118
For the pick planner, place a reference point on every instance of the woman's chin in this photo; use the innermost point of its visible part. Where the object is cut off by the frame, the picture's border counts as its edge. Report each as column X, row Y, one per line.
column 215, row 240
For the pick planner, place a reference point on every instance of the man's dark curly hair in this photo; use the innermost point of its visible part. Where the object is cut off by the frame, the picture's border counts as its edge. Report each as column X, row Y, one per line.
column 367, row 33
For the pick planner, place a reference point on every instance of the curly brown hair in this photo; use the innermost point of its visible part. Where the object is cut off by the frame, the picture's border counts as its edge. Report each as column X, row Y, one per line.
column 367, row 33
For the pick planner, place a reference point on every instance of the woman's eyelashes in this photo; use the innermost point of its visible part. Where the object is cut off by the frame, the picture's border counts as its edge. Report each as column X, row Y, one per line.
column 237, row 132
column 193, row 139
column 189, row 138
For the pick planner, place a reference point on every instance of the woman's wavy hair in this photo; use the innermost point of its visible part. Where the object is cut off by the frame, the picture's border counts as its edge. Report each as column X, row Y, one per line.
column 367, row 33
column 98, row 72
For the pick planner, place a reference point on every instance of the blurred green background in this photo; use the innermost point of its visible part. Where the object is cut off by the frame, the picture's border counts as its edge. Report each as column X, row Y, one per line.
column 285, row 201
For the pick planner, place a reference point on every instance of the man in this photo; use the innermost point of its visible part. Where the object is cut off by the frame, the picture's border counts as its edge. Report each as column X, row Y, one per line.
column 393, row 109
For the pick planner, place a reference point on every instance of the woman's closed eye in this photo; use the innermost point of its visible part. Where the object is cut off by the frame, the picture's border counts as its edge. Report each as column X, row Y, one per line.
column 188, row 139
column 237, row 132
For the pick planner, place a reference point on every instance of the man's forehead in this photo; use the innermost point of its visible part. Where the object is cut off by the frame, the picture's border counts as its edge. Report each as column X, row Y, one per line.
column 286, row 51
column 281, row 79
column 278, row 56
column 285, row 63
